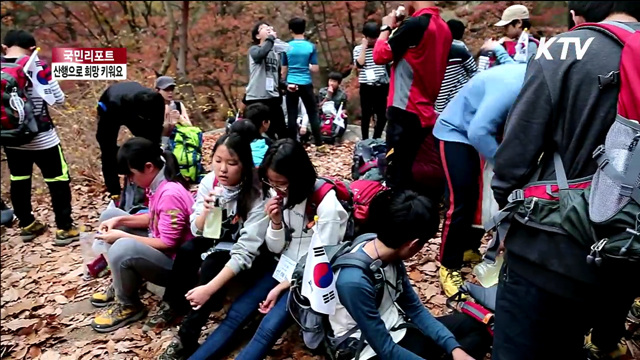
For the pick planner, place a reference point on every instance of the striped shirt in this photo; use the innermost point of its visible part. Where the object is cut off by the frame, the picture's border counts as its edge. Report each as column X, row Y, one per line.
column 370, row 73
column 46, row 139
column 460, row 68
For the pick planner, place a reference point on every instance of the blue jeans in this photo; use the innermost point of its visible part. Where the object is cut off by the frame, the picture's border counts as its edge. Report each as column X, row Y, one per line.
column 241, row 311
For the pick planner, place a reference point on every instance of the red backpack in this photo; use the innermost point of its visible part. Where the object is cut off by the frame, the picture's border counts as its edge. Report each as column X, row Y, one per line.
column 18, row 123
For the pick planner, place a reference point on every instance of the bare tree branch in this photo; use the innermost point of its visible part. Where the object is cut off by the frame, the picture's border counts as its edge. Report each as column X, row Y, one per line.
column 166, row 62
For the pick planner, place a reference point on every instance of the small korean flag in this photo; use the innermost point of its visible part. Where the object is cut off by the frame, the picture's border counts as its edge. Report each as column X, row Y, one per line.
column 318, row 282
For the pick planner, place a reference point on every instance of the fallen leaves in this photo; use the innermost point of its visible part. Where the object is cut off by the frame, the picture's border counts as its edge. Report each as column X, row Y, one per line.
column 18, row 324
column 61, row 299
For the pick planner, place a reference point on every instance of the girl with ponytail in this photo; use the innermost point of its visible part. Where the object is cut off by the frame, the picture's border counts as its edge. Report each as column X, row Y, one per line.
column 143, row 246
column 205, row 265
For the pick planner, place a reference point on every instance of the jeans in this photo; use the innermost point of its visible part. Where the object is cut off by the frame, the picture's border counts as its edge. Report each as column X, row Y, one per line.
column 305, row 92
column 56, row 174
column 132, row 261
column 243, row 309
column 373, row 101
column 461, row 164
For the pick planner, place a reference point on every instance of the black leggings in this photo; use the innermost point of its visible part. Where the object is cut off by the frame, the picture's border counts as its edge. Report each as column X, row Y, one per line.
column 304, row 92
column 472, row 335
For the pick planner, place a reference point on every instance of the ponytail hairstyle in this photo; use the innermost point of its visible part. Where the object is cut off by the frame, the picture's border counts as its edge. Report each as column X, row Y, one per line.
column 138, row 151
column 288, row 158
column 239, row 144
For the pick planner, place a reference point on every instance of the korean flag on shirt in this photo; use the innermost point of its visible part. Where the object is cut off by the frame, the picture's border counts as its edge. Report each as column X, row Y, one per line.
column 318, row 282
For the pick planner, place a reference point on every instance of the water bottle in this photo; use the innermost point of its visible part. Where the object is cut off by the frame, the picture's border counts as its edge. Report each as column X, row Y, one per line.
column 86, row 244
column 213, row 222
column 487, row 273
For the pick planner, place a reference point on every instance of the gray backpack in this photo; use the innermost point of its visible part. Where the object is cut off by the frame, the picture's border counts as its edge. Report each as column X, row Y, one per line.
column 316, row 330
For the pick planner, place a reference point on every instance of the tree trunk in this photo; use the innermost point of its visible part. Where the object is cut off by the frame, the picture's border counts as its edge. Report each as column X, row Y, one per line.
column 351, row 26
column 326, row 34
column 185, row 86
column 312, row 17
column 166, row 62
column 184, row 28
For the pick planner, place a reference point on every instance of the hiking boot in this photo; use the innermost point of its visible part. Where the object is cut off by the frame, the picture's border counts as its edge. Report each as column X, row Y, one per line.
column 66, row 237
column 102, row 299
column 32, row 231
column 117, row 316
column 175, row 351
column 450, row 280
column 471, row 256
column 594, row 353
column 634, row 313
column 322, row 149
column 163, row 318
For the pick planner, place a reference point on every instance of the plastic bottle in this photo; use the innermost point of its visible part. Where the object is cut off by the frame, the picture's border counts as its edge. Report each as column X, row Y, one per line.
column 88, row 255
column 213, row 223
column 487, row 273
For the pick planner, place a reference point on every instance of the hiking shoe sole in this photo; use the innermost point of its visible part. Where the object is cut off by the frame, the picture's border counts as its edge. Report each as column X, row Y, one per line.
column 101, row 304
column 137, row 317
column 64, row 242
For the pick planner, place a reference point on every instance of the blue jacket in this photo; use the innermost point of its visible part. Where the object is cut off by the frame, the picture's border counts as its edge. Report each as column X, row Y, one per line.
column 476, row 116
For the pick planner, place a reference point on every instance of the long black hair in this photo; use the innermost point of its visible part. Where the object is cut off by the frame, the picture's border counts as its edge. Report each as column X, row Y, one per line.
column 239, row 145
column 138, row 151
column 288, row 158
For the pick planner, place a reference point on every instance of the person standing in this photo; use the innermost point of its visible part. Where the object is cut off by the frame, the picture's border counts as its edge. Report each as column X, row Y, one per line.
column 140, row 109
column 297, row 65
column 264, row 77
column 44, row 150
column 419, row 49
column 374, row 82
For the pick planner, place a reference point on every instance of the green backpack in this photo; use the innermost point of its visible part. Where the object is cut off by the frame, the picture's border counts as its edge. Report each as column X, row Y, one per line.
column 186, row 145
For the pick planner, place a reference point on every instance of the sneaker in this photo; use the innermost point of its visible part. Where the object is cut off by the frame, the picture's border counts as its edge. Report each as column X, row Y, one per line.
column 322, row 149
column 634, row 313
column 117, row 316
column 594, row 353
column 66, row 237
column 175, row 351
column 450, row 280
column 473, row 257
column 102, row 299
column 32, row 231
column 164, row 318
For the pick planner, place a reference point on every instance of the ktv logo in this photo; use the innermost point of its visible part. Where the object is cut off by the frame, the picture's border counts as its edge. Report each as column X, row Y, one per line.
column 580, row 49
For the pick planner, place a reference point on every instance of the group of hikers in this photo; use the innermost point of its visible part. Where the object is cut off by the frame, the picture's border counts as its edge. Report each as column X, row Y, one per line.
column 556, row 134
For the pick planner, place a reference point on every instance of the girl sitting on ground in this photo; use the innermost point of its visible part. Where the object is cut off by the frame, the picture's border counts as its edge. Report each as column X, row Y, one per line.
column 205, row 265
column 290, row 178
column 143, row 246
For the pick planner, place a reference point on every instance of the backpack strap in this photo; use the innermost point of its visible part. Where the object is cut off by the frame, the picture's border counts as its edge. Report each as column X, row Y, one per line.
column 320, row 190
column 621, row 33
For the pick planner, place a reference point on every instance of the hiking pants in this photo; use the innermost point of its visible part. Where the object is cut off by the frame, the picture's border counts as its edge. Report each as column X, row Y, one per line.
column 132, row 262
column 532, row 323
column 461, row 163
column 277, row 126
column 56, row 175
column 471, row 334
column 305, row 92
column 242, row 311
column 373, row 101
column 107, row 136
column 405, row 135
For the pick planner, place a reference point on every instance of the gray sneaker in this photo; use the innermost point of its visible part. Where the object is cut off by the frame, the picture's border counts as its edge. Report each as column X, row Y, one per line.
column 163, row 318
column 174, row 351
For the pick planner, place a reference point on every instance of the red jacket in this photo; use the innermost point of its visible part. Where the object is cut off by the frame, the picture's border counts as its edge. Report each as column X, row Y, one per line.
column 419, row 49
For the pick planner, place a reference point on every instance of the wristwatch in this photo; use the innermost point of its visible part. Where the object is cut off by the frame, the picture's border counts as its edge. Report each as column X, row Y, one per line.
column 385, row 28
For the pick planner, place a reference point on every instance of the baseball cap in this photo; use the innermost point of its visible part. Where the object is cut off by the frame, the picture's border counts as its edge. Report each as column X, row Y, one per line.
column 164, row 82
column 513, row 12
